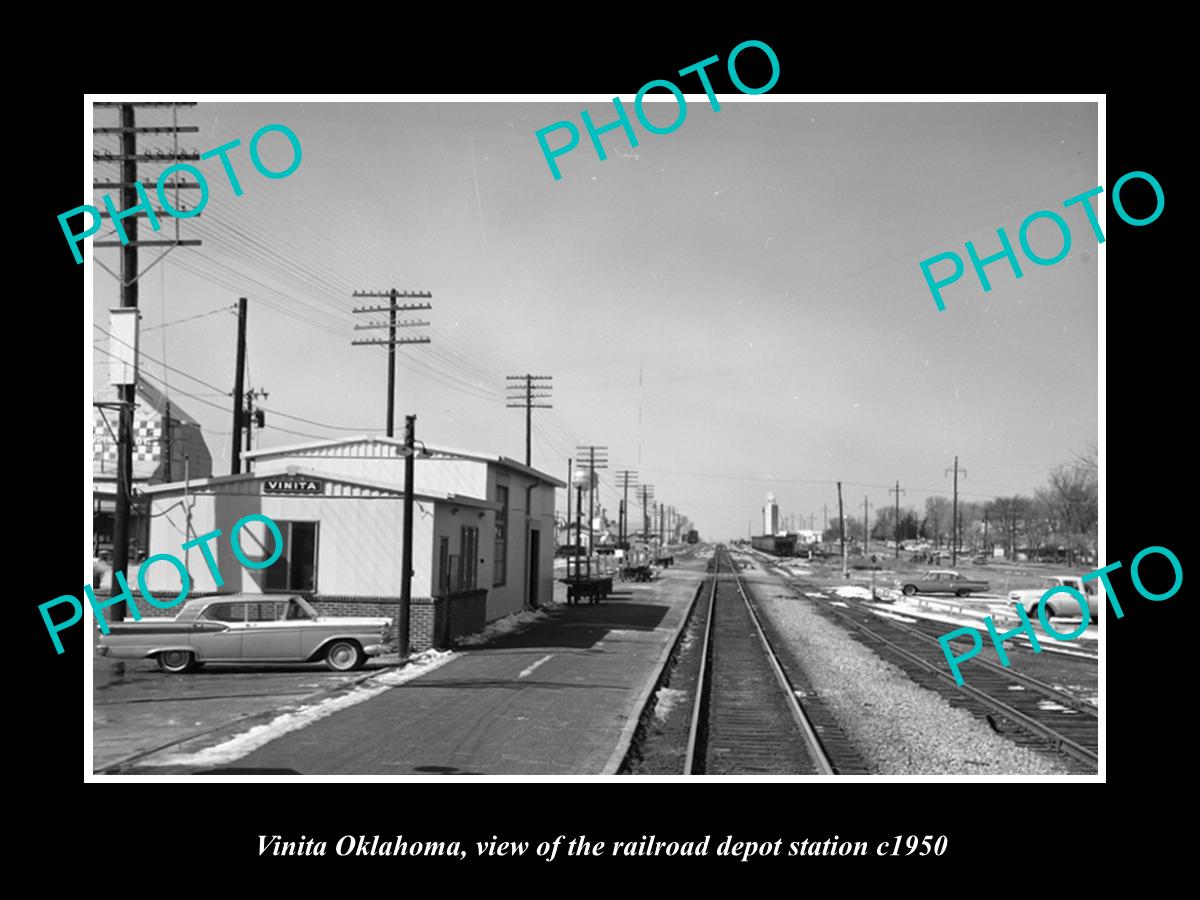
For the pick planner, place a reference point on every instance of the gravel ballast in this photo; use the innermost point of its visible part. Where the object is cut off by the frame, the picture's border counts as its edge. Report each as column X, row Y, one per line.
column 899, row 727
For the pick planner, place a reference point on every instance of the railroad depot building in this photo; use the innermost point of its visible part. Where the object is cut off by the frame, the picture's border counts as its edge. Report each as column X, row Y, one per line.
column 483, row 532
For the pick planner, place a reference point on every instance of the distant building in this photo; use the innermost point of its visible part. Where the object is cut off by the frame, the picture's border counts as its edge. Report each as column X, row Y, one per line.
column 167, row 442
column 771, row 516
column 805, row 536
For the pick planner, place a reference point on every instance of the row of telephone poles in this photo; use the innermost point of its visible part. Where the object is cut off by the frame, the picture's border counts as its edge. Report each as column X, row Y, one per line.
column 897, row 490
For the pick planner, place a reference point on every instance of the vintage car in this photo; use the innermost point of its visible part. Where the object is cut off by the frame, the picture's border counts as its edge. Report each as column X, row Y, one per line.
column 940, row 581
column 259, row 628
column 1060, row 604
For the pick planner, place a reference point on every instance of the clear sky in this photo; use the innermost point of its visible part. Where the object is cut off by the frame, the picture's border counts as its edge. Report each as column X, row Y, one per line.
column 732, row 308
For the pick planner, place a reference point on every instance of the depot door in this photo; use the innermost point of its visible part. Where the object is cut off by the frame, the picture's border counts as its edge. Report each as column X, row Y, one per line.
column 534, row 569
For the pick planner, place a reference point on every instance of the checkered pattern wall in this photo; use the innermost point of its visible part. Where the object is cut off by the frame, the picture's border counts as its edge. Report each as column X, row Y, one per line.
column 147, row 439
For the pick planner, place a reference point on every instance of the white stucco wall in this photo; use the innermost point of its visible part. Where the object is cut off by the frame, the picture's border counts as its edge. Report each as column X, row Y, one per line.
column 358, row 542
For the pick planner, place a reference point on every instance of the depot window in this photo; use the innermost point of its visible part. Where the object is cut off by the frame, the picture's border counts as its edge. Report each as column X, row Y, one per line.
column 470, row 550
column 296, row 569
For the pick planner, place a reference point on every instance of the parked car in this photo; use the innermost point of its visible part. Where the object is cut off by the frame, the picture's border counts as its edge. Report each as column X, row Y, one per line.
column 1061, row 603
column 259, row 628
column 941, row 581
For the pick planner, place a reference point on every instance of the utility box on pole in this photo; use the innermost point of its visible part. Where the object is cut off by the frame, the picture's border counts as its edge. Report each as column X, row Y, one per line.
column 123, row 353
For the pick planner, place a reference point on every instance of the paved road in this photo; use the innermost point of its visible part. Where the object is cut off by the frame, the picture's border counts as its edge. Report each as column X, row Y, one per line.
column 141, row 708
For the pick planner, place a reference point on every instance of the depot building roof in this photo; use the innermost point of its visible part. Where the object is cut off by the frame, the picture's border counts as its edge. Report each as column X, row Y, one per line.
column 217, row 483
column 424, row 451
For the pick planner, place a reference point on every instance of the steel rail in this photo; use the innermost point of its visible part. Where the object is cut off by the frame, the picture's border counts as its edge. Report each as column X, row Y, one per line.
column 1027, row 680
column 815, row 749
column 698, row 706
column 1061, row 742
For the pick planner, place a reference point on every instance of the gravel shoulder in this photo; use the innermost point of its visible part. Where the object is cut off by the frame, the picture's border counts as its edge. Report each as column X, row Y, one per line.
column 897, row 726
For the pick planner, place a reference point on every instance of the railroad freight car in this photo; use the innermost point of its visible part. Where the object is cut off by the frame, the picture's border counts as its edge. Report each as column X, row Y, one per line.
column 775, row 544
column 693, row 536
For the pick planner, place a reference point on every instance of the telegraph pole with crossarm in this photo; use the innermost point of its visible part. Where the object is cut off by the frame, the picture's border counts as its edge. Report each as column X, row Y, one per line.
column 521, row 396
column 134, row 205
column 597, row 458
column 626, row 479
column 954, row 516
column 392, row 341
column 896, row 490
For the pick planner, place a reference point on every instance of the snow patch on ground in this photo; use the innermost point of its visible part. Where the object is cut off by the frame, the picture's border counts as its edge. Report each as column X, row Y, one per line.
column 1050, row 705
column 507, row 625
column 665, row 701
column 974, row 619
column 856, row 593
column 814, row 595
column 839, row 603
column 248, row 741
column 891, row 615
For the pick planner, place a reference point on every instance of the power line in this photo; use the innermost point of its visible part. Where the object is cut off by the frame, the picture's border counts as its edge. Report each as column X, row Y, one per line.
column 212, row 312
column 276, row 412
column 223, row 393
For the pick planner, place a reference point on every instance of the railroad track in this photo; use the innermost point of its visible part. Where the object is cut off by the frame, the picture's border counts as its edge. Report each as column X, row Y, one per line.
column 1047, row 717
column 745, row 717
column 930, row 632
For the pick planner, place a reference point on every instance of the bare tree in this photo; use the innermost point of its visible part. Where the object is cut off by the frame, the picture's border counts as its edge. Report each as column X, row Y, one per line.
column 1011, row 514
column 937, row 518
column 1072, row 493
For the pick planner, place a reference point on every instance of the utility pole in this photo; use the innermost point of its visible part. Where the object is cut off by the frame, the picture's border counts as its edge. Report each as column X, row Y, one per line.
column 896, row 490
column 166, row 444
column 392, row 341
column 253, row 416
column 578, row 527
column 568, row 528
column 954, row 516
column 986, row 551
column 647, row 498
column 239, row 375
column 522, row 397
column 132, row 192
column 626, row 478
column 594, row 462
column 842, row 530
column 410, row 452
column 661, row 529
column 824, row 519
column 866, row 526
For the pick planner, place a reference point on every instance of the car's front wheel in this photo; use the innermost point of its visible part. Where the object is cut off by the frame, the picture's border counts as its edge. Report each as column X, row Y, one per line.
column 344, row 656
column 176, row 661
column 909, row 590
column 961, row 593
